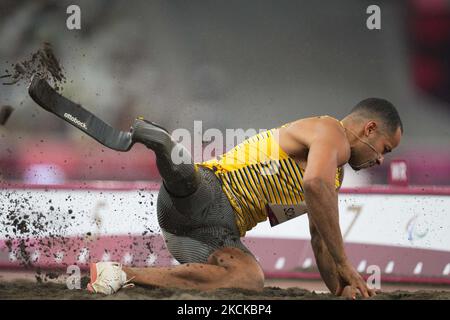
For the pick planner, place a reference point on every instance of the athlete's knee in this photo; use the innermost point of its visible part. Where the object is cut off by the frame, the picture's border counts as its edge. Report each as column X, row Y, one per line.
column 153, row 136
column 242, row 268
column 186, row 172
column 180, row 180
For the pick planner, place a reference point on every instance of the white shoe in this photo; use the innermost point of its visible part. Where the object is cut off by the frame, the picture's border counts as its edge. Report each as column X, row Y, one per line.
column 107, row 278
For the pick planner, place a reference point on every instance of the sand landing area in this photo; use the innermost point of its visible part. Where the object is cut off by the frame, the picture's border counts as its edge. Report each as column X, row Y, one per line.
column 26, row 285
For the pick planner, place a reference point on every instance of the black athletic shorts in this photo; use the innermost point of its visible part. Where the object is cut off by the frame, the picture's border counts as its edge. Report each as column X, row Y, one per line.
column 197, row 225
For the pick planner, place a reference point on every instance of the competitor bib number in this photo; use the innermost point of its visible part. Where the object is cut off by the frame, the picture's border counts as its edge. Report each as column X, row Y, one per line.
column 279, row 213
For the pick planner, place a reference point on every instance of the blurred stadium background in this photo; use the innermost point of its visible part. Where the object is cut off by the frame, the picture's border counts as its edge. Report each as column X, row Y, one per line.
column 230, row 64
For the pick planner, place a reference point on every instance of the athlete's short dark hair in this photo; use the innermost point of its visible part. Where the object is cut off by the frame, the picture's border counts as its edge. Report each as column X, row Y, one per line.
column 382, row 109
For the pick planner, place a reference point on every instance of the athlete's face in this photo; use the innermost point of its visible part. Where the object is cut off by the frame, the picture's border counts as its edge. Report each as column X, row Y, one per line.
column 372, row 144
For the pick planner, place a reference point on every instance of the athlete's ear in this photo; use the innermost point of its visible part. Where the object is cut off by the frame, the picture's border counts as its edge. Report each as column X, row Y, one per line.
column 370, row 128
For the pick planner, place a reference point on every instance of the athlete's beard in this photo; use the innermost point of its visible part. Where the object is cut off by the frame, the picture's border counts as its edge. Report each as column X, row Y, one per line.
column 364, row 165
column 368, row 163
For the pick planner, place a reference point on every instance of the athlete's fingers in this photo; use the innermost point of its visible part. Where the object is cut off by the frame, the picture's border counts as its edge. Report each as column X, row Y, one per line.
column 349, row 292
column 364, row 291
column 372, row 292
column 339, row 289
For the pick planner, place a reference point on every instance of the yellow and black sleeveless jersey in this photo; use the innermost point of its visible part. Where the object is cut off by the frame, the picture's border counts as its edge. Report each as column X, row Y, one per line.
column 257, row 173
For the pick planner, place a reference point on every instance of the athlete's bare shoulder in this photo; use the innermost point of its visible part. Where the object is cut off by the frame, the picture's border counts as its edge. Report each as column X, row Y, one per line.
column 296, row 137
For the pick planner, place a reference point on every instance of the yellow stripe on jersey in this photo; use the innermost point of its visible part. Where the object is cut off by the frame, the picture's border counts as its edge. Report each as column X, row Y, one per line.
column 258, row 172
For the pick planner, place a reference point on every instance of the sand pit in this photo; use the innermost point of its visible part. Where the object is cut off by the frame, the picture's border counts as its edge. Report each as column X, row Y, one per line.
column 28, row 289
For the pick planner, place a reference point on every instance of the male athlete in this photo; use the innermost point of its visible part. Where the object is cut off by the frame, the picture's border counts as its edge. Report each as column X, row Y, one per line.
column 204, row 208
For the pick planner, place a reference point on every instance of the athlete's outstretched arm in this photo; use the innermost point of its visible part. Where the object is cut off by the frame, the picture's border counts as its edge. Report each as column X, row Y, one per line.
column 320, row 193
column 328, row 149
column 324, row 260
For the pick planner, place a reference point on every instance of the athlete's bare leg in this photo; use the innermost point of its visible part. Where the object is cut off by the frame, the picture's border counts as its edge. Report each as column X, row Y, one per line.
column 226, row 268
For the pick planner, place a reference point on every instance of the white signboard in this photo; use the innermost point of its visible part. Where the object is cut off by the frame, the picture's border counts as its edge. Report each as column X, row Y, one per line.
column 400, row 220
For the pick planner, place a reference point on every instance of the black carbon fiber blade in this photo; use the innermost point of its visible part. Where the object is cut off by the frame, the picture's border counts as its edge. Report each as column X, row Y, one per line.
column 46, row 97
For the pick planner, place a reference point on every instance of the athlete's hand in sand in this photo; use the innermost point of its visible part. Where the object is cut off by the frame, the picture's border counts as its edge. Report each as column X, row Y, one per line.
column 350, row 292
column 351, row 283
